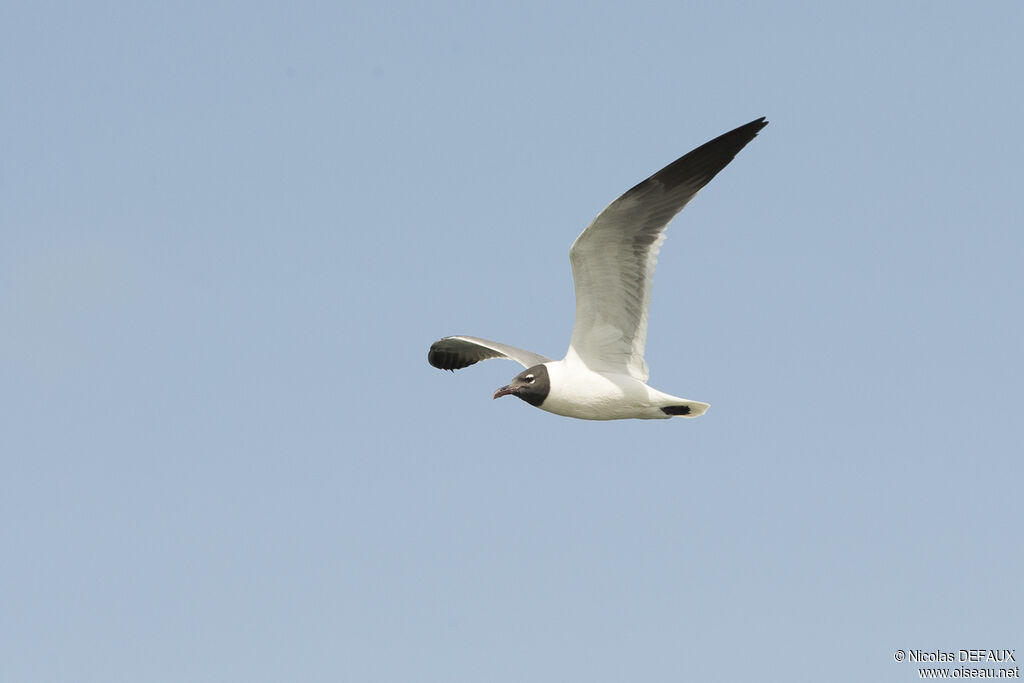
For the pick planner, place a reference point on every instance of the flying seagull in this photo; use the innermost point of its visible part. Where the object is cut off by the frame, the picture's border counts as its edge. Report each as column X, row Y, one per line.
column 603, row 375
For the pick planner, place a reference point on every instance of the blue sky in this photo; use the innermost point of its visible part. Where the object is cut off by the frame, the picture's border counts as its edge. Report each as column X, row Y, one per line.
column 230, row 232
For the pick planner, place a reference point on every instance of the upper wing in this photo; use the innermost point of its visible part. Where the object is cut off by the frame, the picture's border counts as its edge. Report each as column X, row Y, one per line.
column 613, row 260
column 454, row 353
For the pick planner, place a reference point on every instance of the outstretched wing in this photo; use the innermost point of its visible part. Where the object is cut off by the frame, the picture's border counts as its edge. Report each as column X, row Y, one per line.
column 455, row 353
column 613, row 260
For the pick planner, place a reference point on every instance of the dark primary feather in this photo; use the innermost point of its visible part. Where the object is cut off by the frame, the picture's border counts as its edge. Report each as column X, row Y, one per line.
column 446, row 356
column 455, row 353
column 653, row 202
column 694, row 170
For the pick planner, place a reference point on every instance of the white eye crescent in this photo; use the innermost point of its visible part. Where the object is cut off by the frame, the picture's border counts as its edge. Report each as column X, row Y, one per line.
column 529, row 378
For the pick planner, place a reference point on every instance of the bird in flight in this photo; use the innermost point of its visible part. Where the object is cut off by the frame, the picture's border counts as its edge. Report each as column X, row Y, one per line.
column 603, row 375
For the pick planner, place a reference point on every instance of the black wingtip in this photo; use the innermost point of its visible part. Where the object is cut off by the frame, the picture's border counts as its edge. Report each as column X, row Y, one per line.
column 746, row 132
column 737, row 138
column 699, row 166
column 446, row 360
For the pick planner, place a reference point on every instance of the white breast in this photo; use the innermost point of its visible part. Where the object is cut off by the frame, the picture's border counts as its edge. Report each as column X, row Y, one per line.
column 577, row 391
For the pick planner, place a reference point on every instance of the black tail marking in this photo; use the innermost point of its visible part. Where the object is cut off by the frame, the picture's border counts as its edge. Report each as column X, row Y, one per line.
column 676, row 410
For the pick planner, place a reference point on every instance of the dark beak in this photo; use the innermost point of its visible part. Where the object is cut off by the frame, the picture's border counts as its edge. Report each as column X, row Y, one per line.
column 504, row 391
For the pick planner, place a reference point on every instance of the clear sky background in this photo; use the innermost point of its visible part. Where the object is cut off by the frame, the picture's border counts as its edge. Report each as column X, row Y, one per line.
column 230, row 231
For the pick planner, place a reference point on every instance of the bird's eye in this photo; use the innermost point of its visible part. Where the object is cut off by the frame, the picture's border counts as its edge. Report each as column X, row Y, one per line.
column 529, row 378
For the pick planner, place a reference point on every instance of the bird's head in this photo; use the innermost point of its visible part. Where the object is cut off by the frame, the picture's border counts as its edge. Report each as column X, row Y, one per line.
column 532, row 385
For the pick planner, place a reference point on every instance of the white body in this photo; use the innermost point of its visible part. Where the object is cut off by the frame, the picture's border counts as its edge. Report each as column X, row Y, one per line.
column 577, row 391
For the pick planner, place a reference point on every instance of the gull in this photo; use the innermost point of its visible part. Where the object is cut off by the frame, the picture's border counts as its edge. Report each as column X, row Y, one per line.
column 603, row 375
